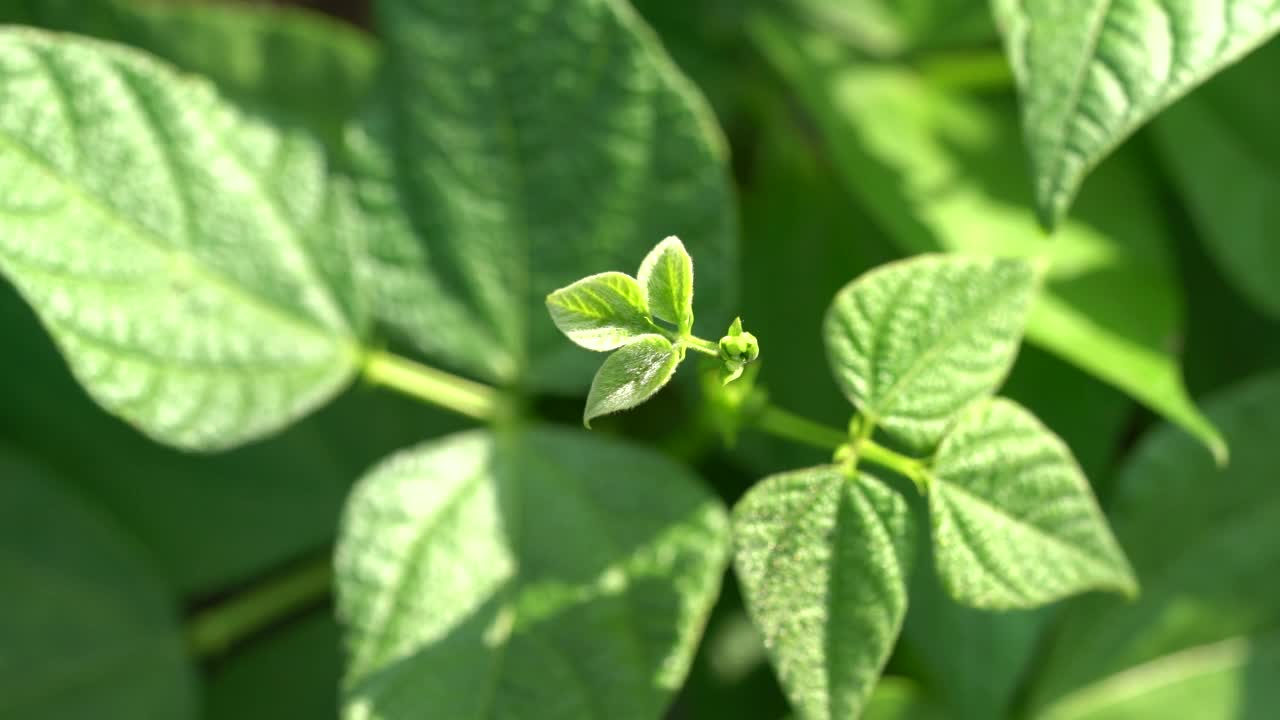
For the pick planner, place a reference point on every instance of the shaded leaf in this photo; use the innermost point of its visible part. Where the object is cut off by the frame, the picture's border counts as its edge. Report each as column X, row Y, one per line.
column 630, row 376
column 601, row 312
column 938, row 171
column 1090, row 72
column 288, row 674
column 1015, row 524
column 87, row 629
column 823, row 560
column 1221, row 146
column 541, row 573
column 1202, row 540
column 900, row 699
column 207, row 323
column 666, row 274
column 571, row 149
column 912, row 343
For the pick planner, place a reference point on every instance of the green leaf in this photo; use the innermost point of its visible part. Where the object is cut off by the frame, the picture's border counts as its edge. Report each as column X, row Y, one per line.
column 287, row 675
column 1015, row 524
column 87, row 629
column 536, row 574
column 912, row 343
column 1221, row 147
column 900, row 699
column 630, row 376
column 666, row 274
column 823, row 560
column 208, row 300
column 898, row 27
column 1231, row 679
column 1202, row 540
column 601, row 312
column 569, row 145
column 937, row 170
column 1093, row 71
column 294, row 67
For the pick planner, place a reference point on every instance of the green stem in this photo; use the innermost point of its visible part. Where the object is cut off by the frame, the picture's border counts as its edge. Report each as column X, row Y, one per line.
column 776, row 421
column 437, row 387
column 213, row 631
column 969, row 70
column 909, row 467
column 697, row 344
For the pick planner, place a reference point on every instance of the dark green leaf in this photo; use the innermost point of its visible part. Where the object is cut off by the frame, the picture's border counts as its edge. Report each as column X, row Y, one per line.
column 1202, row 540
column 538, row 574
column 87, row 629
column 538, row 144
column 912, row 343
column 1091, row 72
column 1221, row 145
column 630, row 376
column 823, row 560
column 290, row 674
column 209, row 298
column 900, row 699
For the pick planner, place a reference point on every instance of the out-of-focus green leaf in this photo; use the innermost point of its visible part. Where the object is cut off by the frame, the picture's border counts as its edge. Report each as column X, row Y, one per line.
column 940, row 172
column 1091, row 72
column 1015, row 524
column 290, row 674
column 87, row 629
column 1229, row 680
column 296, row 67
column 895, row 27
column 631, row 375
column 209, row 300
column 514, row 150
column 912, row 343
column 1221, row 146
column 538, row 573
column 281, row 497
column 972, row 661
column 801, row 233
column 900, row 699
column 823, row 559
column 1202, row 540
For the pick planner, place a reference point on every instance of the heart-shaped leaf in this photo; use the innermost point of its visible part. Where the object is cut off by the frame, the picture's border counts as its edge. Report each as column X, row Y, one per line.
column 912, row 343
column 535, row 574
column 631, row 375
column 1090, row 72
column 185, row 259
column 824, row 561
column 1015, row 524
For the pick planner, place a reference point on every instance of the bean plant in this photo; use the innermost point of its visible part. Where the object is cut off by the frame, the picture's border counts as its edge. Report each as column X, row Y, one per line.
column 328, row 390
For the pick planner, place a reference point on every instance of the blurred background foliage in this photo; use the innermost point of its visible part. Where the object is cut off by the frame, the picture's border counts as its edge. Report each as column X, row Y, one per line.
column 825, row 173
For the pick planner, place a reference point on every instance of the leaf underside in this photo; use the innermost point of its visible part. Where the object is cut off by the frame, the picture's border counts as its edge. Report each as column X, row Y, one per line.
column 631, row 375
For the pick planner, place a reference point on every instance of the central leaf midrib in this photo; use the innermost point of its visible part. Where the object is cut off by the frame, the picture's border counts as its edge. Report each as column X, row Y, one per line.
column 148, row 236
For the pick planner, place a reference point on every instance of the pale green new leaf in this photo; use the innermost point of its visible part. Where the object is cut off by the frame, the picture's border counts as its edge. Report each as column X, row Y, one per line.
column 88, row 631
column 938, row 171
column 601, row 312
column 1232, row 679
column 912, row 343
column 515, row 148
column 534, row 574
column 1204, row 544
column 666, row 275
column 1221, row 146
column 1090, row 72
column 631, row 375
column 823, row 560
column 185, row 259
column 1015, row 524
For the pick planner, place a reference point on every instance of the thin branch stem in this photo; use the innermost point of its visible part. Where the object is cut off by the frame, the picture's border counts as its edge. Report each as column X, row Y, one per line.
column 909, row 467
column 787, row 425
column 697, row 344
column 463, row 396
column 217, row 629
